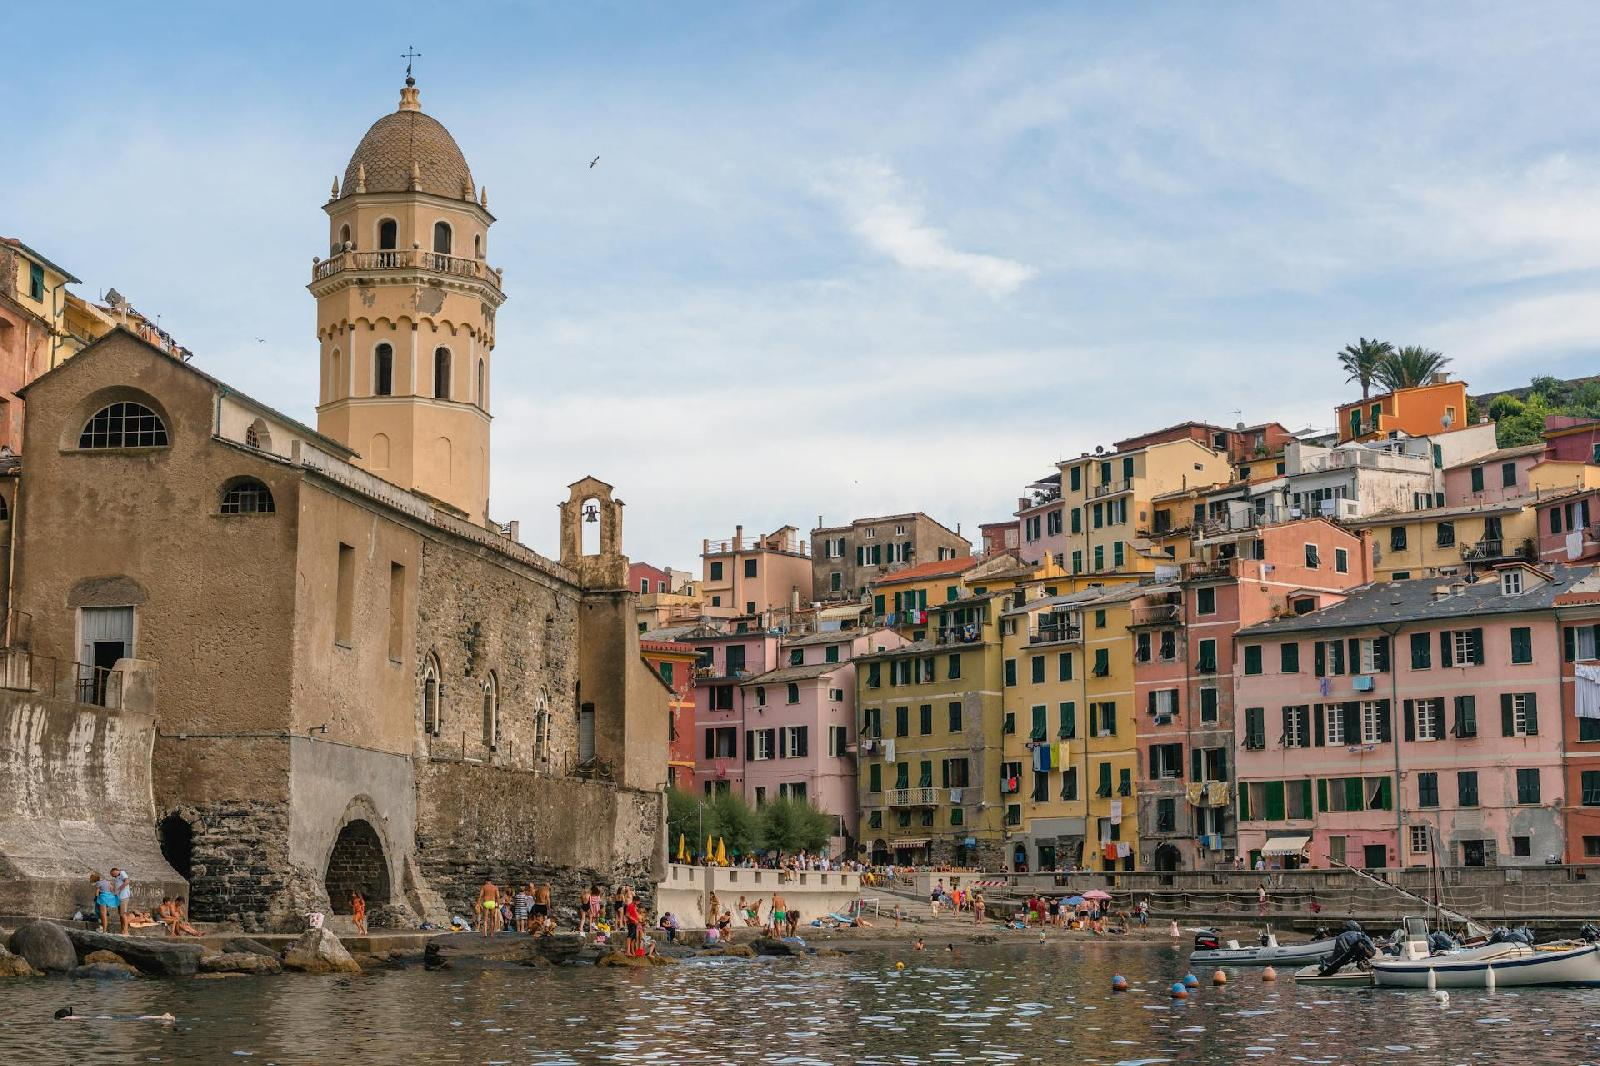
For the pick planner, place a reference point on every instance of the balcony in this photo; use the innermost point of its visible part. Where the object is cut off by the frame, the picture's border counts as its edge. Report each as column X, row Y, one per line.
column 1204, row 571
column 454, row 266
column 1054, row 634
column 913, row 797
column 1157, row 614
column 1112, row 488
column 967, row 634
column 1492, row 549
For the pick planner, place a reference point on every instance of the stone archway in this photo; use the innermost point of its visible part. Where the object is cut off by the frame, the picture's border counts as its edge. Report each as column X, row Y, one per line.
column 357, row 863
column 1167, row 859
column 177, row 844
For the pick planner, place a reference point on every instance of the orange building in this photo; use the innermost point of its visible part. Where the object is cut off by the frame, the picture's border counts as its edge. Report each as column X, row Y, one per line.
column 1419, row 412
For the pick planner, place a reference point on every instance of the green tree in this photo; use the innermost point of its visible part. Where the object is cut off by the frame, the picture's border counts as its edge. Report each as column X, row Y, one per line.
column 1360, row 360
column 683, row 820
column 733, row 820
column 1518, row 422
column 791, row 825
column 1409, row 367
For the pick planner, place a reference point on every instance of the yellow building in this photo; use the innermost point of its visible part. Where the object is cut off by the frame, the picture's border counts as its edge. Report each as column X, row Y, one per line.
column 1070, row 750
column 1450, row 541
column 406, row 304
column 1107, row 499
column 928, row 751
column 906, row 599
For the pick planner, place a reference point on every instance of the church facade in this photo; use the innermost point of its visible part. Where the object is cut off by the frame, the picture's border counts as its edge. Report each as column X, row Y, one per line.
column 363, row 683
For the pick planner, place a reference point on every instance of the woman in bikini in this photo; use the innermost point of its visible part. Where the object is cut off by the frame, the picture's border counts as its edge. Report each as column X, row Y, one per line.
column 358, row 912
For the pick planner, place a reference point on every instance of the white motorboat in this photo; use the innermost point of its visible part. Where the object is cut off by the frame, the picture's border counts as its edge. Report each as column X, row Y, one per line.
column 1501, row 965
column 1209, row 950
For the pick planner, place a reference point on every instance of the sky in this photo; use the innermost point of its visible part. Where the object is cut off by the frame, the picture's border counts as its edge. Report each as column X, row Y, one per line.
column 849, row 259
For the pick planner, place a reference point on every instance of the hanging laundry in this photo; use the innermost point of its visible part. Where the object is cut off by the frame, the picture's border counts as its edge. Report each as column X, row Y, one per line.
column 888, row 750
column 1575, row 544
column 955, row 795
column 1124, row 849
column 1111, row 850
column 1586, row 685
column 1041, row 758
column 1116, row 811
column 1324, row 686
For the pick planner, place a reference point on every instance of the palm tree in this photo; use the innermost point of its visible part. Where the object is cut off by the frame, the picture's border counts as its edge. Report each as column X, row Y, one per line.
column 1409, row 367
column 1361, row 360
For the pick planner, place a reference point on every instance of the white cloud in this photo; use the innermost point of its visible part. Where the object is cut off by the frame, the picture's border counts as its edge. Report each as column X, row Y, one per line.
column 883, row 213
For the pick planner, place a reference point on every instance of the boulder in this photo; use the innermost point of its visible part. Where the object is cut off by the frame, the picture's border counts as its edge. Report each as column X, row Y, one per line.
column 240, row 962
column 244, row 943
column 158, row 958
column 106, row 971
column 768, row 946
column 15, row 966
column 104, row 956
column 319, row 951
column 45, row 945
column 470, row 950
column 739, row 951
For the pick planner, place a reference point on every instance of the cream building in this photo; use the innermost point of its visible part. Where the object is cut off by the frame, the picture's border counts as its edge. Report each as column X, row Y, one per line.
column 406, row 305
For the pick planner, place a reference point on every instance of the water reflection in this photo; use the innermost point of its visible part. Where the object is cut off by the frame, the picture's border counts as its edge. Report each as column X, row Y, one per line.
column 1001, row 1004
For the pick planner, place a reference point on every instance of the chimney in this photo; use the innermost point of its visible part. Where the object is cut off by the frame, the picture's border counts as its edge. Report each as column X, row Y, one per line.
column 1441, row 592
column 738, row 537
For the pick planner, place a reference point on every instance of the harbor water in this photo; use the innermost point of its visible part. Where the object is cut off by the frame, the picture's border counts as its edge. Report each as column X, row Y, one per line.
column 1005, row 1003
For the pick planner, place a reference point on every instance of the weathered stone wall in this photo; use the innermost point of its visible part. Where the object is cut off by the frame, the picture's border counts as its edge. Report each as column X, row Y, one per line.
column 74, row 799
column 476, row 821
column 480, row 612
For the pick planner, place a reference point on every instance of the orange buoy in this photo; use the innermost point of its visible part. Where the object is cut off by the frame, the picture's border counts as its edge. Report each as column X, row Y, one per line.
column 1219, row 978
column 1269, row 974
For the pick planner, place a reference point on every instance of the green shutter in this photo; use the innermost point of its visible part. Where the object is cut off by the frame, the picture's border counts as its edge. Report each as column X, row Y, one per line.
column 1305, row 795
column 1322, row 793
column 1244, row 802
column 1275, row 810
column 1354, row 799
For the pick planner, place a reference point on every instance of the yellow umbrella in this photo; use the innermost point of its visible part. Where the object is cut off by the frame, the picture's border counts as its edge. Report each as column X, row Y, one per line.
column 708, row 847
column 722, row 853
column 683, row 854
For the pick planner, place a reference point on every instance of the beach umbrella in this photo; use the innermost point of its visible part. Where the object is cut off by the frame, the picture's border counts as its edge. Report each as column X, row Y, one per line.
column 722, row 853
column 1095, row 893
column 1073, row 901
column 683, row 851
column 708, row 847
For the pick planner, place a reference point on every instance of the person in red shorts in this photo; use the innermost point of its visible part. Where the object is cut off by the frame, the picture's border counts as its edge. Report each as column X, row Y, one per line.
column 635, row 945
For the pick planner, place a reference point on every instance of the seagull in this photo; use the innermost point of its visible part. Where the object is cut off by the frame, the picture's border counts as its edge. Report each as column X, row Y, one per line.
column 261, row 340
column 593, row 161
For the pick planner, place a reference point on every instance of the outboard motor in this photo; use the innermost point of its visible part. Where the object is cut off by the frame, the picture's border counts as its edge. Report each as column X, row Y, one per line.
column 1350, row 946
column 1207, row 940
column 1440, row 942
column 1589, row 932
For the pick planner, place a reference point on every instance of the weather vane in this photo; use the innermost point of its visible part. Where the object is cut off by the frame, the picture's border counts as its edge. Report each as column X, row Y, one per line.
column 408, row 55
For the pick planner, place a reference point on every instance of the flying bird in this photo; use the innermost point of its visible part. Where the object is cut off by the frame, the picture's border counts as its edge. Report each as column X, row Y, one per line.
column 593, row 161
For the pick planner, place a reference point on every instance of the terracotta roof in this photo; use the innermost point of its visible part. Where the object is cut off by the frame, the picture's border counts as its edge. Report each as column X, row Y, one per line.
column 792, row 673
column 397, row 140
column 923, row 571
column 666, row 647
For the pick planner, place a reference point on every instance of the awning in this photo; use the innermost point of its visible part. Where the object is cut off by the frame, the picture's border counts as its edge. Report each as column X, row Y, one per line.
column 1286, row 845
column 851, row 611
column 920, row 842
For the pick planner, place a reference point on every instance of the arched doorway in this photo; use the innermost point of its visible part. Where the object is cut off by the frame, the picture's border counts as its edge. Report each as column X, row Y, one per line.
column 1167, row 859
column 357, row 863
column 177, row 844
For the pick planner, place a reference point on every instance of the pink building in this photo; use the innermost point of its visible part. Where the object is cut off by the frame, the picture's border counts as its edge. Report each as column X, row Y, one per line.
column 1039, row 521
column 725, row 661
column 800, row 733
column 1183, row 672
column 1493, row 478
column 1572, row 439
column 1567, row 527
column 1411, row 713
column 646, row 579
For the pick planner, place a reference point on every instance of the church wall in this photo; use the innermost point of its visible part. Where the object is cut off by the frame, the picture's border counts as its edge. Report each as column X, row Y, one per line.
column 476, row 822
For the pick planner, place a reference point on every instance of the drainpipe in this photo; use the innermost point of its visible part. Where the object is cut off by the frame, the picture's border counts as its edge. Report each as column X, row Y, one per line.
column 11, row 564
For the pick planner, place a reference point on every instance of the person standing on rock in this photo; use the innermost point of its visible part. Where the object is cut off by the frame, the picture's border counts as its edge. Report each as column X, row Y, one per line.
column 779, row 914
column 122, row 885
column 585, row 901
column 487, row 907
column 630, row 912
column 358, row 912
column 104, row 899
column 541, row 908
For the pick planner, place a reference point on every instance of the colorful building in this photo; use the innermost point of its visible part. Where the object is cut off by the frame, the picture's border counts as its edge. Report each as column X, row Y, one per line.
column 723, row 662
column 1499, row 476
column 675, row 663
column 1183, row 672
column 846, row 559
column 1417, row 412
column 999, row 537
column 1409, row 714
column 1449, row 541
column 1041, row 521
column 800, row 725
column 1572, row 439
column 1107, row 500
column 1578, row 608
column 761, row 578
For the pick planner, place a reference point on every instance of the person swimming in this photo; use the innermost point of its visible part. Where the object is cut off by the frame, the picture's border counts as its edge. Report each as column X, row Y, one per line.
column 70, row 1014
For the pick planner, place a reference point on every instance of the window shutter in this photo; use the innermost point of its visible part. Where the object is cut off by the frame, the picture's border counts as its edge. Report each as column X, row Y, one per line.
column 749, row 743
column 1338, row 657
column 1152, row 701
column 1508, row 718
column 1305, row 796
column 1352, row 722
column 1411, row 719
column 1244, row 803
column 1383, row 801
column 1318, row 723
column 1155, row 762
column 1569, row 643
column 711, row 744
column 1476, row 646
column 1385, row 729
column 1194, row 764
column 1094, row 719
column 1288, row 724
column 1445, row 649
column 1108, row 719
column 1322, row 793
column 1322, row 659
column 1419, row 651
column 1222, row 764
column 1466, row 716
column 1380, row 654
column 1355, row 656
column 1532, row 714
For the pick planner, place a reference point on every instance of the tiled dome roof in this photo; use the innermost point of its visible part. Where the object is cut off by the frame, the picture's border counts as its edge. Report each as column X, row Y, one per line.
column 397, row 140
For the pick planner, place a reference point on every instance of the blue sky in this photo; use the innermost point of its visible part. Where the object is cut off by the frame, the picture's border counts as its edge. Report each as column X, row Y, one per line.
column 852, row 258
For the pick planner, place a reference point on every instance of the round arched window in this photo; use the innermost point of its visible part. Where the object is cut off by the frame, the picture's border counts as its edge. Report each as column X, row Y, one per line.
column 124, row 424
column 246, row 495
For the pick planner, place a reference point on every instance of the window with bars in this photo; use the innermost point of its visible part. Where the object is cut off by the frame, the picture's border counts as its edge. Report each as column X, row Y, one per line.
column 124, row 424
column 246, row 496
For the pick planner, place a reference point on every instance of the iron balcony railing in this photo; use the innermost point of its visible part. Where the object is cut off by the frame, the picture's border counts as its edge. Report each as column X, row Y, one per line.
column 914, row 797
column 1111, row 488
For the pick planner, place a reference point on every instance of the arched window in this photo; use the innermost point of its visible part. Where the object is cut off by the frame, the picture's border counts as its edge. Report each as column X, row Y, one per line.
column 124, row 424
column 483, row 397
column 432, row 698
column 258, row 436
column 441, row 373
column 344, row 235
column 335, row 378
column 477, row 246
column 441, row 238
column 383, row 370
column 388, row 235
column 491, row 713
column 246, row 495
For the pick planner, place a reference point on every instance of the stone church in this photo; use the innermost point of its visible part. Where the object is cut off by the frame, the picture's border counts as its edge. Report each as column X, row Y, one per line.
column 361, row 681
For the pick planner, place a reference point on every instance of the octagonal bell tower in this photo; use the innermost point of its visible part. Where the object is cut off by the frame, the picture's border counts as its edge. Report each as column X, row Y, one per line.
column 406, row 303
